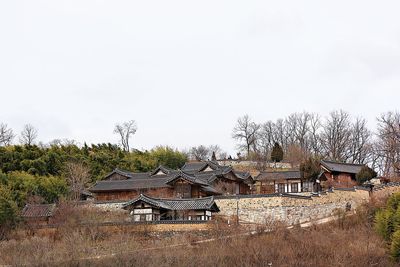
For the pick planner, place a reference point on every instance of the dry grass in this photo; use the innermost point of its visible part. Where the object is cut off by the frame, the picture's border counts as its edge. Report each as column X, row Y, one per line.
column 348, row 242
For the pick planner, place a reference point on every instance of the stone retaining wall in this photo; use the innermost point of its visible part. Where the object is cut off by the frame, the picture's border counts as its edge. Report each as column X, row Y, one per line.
column 381, row 192
column 290, row 209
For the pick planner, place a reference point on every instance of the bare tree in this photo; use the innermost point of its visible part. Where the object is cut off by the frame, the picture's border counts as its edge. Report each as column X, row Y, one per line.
column 266, row 139
column 6, row 135
column 388, row 145
column 28, row 135
column 360, row 146
column 280, row 134
column 246, row 132
column 336, row 135
column 78, row 175
column 314, row 137
column 200, row 153
column 217, row 150
column 125, row 132
column 56, row 142
column 291, row 127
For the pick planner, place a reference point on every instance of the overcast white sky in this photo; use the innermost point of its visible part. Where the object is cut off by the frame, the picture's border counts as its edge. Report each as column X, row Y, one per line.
column 185, row 70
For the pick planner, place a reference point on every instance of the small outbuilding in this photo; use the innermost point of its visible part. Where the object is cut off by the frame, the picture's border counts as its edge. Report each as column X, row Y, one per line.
column 146, row 209
column 338, row 174
column 38, row 214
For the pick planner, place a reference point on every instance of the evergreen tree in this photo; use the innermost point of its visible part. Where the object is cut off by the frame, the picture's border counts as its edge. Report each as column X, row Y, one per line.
column 365, row 174
column 213, row 157
column 277, row 153
column 310, row 169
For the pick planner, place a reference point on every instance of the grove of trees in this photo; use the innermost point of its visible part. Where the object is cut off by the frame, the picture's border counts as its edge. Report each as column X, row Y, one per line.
column 338, row 136
column 33, row 172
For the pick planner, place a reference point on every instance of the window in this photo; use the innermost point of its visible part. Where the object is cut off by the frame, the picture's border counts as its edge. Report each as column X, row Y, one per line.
column 294, row 188
column 281, row 188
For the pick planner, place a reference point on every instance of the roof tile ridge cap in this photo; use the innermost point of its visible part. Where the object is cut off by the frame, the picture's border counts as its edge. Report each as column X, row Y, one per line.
column 189, row 175
column 343, row 163
column 177, row 199
column 186, row 199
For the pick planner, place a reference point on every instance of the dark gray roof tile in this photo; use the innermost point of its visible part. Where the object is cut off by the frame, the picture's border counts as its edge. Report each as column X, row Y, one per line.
column 206, row 203
column 279, row 175
column 40, row 210
column 130, row 184
column 333, row 166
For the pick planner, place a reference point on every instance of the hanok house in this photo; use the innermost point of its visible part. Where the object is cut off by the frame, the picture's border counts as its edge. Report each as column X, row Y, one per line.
column 194, row 180
column 281, row 182
column 38, row 214
column 145, row 208
column 336, row 174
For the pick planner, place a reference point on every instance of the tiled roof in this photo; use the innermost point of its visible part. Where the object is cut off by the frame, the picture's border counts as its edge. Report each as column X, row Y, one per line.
column 279, row 175
column 194, row 166
column 211, row 189
column 130, row 184
column 126, row 174
column 206, row 203
column 190, row 178
column 199, row 166
column 333, row 166
column 163, row 169
column 140, row 175
column 40, row 210
column 194, row 172
column 243, row 175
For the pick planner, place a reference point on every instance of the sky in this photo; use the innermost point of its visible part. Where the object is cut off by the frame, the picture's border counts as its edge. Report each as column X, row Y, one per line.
column 186, row 70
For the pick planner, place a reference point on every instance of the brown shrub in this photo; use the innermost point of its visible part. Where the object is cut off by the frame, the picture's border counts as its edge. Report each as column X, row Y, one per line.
column 350, row 243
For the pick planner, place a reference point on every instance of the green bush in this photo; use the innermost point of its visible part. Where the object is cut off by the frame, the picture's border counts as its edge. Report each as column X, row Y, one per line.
column 393, row 202
column 384, row 224
column 387, row 224
column 8, row 212
column 365, row 174
column 395, row 246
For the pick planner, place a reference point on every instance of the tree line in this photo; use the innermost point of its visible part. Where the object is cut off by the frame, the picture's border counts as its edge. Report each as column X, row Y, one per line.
column 338, row 136
column 34, row 172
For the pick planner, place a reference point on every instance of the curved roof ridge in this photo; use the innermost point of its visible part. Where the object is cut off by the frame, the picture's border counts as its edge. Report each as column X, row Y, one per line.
column 344, row 163
column 162, row 168
column 189, row 177
column 172, row 204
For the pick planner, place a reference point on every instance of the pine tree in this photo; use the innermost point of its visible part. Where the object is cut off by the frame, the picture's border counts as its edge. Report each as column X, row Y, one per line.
column 213, row 157
column 277, row 153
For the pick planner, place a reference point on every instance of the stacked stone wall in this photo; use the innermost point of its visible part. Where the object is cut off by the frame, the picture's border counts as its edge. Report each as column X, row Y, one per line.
column 290, row 209
column 381, row 192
